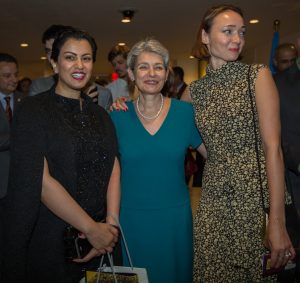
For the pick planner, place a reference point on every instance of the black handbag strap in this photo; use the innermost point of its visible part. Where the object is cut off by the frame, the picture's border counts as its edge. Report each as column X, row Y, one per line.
column 256, row 140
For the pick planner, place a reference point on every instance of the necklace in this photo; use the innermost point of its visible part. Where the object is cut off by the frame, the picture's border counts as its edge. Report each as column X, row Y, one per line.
column 150, row 117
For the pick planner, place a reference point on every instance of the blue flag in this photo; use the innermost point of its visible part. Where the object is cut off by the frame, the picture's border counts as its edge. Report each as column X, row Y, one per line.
column 275, row 43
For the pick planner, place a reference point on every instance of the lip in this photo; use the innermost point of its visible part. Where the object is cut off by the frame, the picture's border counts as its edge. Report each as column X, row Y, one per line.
column 79, row 76
column 151, row 82
column 234, row 49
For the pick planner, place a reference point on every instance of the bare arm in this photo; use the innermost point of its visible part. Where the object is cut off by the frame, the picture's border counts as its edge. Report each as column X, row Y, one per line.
column 186, row 95
column 202, row 150
column 59, row 201
column 114, row 195
column 267, row 101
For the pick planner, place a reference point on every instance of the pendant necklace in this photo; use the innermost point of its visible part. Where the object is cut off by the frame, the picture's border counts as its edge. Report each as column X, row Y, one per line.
column 150, row 117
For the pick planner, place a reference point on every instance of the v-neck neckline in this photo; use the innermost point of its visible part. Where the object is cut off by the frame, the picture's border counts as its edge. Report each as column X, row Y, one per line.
column 160, row 127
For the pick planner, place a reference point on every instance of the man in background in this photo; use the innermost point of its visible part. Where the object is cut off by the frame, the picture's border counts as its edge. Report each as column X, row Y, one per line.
column 122, row 86
column 285, row 56
column 288, row 84
column 179, row 84
column 9, row 102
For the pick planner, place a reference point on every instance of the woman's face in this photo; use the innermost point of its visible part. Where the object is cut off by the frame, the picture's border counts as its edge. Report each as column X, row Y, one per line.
column 225, row 39
column 74, row 65
column 149, row 73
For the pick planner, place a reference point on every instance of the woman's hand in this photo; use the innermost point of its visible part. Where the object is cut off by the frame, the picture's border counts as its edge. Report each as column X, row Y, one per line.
column 92, row 92
column 102, row 236
column 279, row 243
column 92, row 253
column 120, row 104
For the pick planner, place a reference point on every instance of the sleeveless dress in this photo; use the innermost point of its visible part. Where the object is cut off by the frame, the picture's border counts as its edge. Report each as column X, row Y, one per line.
column 229, row 222
column 155, row 204
column 80, row 147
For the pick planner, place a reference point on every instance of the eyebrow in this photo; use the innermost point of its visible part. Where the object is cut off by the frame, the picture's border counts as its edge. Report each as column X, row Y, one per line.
column 70, row 52
column 233, row 26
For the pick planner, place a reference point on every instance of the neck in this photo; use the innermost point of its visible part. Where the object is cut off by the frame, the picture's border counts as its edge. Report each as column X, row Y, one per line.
column 70, row 93
column 149, row 107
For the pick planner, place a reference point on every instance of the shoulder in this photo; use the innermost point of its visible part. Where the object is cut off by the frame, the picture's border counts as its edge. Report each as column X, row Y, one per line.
column 182, row 108
column 117, row 83
column 41, row 84
column 121, row 116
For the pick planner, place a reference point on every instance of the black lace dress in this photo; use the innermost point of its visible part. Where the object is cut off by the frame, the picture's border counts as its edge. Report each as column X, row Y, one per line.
column 80, row 146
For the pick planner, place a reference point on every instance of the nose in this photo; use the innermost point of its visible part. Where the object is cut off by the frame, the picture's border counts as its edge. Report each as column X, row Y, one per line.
column 151, row 71
column 236, row 38
column 14, row 78
column 79, row 64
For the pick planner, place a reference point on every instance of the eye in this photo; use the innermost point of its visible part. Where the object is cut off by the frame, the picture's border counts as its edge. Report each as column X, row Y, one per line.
column 242, row 33
column 143, row 67
column 159, row 68
column 70, row 57
column 87, row 59
column 227, row 31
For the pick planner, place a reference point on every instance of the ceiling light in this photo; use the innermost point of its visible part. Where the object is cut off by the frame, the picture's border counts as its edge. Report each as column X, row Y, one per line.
column 191, row 57
column 127, row 16
column 254, row 21
column 43, row 58
column 24, row 44
column 121, row 44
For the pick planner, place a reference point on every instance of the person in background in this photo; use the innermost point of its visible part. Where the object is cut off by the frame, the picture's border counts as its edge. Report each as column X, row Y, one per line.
column 285, row 56
column 229, row 222
column 50, row 34
column 10, row 101
column 153, row 136
column 121, row 87
column 64, row 175
column 24, row 86
column 100, row 95
column 179, row 84
column 288, row 85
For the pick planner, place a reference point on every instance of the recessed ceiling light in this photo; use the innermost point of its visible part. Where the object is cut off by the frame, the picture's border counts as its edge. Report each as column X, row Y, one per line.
column 121, row 44
column 191, row 57
column 254, row 21
column 127, row 16
column 43, row 58
column 24, row 44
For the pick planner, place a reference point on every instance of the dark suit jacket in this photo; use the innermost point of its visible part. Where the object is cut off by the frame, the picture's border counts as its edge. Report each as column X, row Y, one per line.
column 288, row 84
column 4, row 144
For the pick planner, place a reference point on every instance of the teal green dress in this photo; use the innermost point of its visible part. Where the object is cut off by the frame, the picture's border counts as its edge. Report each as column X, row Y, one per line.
column 155, row 205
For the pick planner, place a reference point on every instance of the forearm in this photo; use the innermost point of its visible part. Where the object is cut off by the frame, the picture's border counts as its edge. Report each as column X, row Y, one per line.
column 276, row 184
column 202, row 150
column 114, row 194
column 59, row 201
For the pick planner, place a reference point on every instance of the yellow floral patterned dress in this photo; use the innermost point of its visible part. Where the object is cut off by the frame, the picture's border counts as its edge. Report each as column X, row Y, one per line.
column 229, row 222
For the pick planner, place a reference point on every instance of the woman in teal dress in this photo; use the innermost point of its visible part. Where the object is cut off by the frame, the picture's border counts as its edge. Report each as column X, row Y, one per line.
column 153, row 136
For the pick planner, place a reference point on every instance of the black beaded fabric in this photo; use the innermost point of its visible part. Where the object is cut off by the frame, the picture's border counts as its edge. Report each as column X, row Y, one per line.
column 79, row 143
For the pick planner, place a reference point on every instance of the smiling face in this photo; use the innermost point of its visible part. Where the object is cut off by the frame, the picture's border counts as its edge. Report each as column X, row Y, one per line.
column 74, row 66
column 8, row 77
column 225, row 40
column 149, row 73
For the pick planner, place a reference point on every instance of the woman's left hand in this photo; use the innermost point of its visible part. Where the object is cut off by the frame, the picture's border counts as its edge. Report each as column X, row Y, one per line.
column 280, row 244
column 92, row 253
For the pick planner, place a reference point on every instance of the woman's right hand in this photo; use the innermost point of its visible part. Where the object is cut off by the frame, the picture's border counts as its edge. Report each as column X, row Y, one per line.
column 120, row 104
column 102, row 236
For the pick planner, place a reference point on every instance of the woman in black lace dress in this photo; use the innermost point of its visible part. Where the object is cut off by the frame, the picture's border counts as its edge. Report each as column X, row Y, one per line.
column 64, row 172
